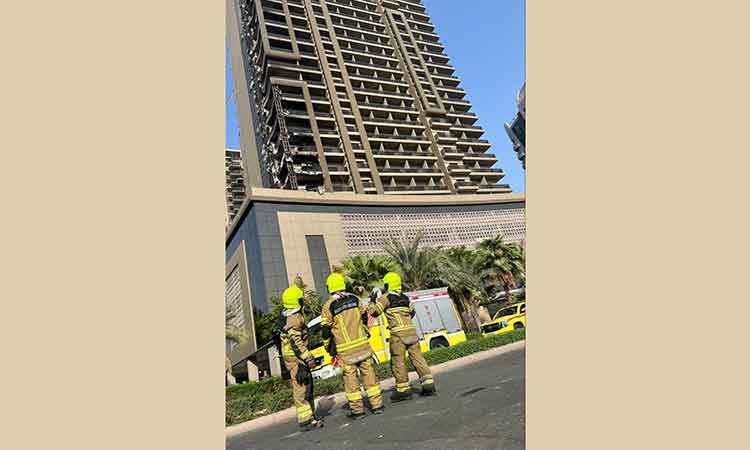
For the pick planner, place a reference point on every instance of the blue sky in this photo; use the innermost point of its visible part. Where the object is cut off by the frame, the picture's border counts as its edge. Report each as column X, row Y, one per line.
column 486, row 44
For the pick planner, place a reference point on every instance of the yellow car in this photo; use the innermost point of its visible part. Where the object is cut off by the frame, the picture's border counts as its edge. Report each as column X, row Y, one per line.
column 509, row 318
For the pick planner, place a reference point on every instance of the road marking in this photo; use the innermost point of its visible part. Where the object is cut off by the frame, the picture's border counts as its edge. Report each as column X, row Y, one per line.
column 345, row 425
column 291, row 435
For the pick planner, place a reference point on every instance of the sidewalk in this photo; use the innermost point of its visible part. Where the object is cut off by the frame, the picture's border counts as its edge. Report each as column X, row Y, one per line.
column 339, row 399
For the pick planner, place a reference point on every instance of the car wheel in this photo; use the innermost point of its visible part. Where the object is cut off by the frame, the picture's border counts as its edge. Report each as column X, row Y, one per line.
column 517, row 326
column 438, row 343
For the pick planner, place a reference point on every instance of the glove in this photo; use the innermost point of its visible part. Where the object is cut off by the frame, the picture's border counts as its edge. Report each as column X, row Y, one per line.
column 334, row 361
column 302, row 374
column 331, row 348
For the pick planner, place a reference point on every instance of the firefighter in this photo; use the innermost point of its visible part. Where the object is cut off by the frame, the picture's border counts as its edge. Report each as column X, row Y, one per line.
column 297, row 358
column 399, row 311
column 343, row 322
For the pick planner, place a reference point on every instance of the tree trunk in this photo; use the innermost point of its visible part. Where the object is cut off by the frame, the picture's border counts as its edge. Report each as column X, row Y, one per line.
column 477, row 321
column 507, row 285
column 472, row 325
column 475, row 316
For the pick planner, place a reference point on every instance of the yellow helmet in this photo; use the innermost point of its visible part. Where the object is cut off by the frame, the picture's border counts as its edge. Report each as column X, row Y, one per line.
column 392, row 280
column 335, row 283
column 291, row 297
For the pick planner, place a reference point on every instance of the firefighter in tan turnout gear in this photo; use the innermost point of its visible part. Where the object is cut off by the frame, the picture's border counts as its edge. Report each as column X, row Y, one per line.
column 298, row 360
column 343, row 324
column 399, row 311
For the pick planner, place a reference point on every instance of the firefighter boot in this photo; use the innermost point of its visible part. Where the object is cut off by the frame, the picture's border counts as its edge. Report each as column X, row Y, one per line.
column 399, row 396
column 311, row 424
column 428, row 386
column 428, row 390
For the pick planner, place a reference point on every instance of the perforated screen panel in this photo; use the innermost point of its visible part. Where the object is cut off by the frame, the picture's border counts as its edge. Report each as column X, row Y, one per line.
column 368, row 234
column 233, row 298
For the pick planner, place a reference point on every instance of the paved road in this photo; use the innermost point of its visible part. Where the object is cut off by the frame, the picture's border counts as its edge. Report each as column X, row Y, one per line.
column 479, row 407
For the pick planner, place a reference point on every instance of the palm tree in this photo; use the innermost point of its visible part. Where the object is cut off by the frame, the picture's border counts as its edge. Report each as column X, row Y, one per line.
column 503, row 263
column 419, row 266
column 364, row 273
column 460, row 271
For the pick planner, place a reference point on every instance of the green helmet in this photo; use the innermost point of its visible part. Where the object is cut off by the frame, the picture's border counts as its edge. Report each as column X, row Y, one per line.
column 335, row 283
column 291, row 297
column 392, row 281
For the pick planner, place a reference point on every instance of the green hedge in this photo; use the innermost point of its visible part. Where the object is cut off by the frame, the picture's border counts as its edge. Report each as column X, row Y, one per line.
column 473, row 336
column 251, row 400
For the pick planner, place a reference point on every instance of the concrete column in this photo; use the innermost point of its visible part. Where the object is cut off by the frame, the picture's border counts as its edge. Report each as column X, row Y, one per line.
column 274, row 360
column 252, row 371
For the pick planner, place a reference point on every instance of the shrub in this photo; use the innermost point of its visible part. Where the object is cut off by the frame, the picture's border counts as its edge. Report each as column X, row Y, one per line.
column 473, row 336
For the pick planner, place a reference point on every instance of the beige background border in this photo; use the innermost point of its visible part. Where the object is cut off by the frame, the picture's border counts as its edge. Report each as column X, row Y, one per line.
column 112, row 182
column 636, row 171
column 112, row 232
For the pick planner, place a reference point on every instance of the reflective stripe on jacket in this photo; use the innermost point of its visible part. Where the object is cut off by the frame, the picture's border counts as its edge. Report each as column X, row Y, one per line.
column 294, row 339
column 398, row 310
column 343, row 313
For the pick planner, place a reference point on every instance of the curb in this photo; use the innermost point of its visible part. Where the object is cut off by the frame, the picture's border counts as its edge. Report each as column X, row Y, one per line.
column 339, row 399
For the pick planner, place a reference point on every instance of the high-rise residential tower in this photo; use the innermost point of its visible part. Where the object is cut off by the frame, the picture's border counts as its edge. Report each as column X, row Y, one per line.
column 346, row 109
column 353, row 96
column 517, row 128
column 235, row 183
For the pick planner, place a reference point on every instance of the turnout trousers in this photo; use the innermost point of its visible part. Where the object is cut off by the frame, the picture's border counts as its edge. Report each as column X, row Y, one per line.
column 304, row 401
column 369, row 381
column 398, row 362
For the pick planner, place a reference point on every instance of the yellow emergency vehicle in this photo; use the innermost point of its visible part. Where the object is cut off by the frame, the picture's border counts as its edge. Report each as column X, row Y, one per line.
column 506, row 319
column 437, row 321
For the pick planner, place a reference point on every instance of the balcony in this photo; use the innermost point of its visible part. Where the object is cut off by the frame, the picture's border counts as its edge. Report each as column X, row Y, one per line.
column 300, row 97
column 389, row 94
column 466, row 186
column 483, row 172
column 416, row 189
column 341, row 187
column 303, row 114
column 379, row 79
column 497, row 188
column 334, row 168
column 361, row 52
column 405, row 153
column 474, row 142
column 459, row 169
column 410, row 172
column 297, row 67
column 386, row 108
column 328, row 132
column 391, row 137
column 311, row 150
column 479, row 157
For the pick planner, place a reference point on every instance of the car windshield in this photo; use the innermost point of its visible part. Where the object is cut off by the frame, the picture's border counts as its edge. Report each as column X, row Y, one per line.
column 506, row 312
